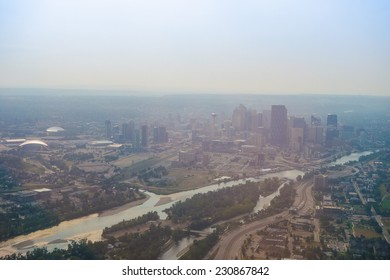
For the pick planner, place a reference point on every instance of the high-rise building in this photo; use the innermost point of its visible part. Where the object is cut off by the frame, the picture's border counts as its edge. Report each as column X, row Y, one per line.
column 297, row 129
column 332, row 132
column 278, row 125
column 128, row 131
column 261, row 137
column 315, row 135
column 266, row 119
column 108, row 129
column 144, row 135
column 160, row 135
column 136, row 139
column 331, row 120
column 254, row 120
column 239, row 118
column 213, row 130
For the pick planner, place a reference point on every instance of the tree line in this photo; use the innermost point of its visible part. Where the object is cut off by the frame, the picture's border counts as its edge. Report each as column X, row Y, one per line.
column 126, row 224
column 202, row 210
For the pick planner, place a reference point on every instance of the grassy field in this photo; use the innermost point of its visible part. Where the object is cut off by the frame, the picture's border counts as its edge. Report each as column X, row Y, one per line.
column 359, row 210
column 386, row 203
column 131, row 160
column 141, row 165
column 29, row 167
column 367, row 232
column 185, row 180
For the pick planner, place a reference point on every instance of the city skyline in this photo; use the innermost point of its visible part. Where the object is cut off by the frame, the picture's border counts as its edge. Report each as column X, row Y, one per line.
column 327, row 168
column 252, row 47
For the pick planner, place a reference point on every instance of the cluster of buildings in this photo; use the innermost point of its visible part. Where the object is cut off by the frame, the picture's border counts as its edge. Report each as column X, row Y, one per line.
column 137, row 136
column 252, row 131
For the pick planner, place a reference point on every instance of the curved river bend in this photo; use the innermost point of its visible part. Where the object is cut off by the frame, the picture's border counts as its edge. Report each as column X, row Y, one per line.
column 91, row 226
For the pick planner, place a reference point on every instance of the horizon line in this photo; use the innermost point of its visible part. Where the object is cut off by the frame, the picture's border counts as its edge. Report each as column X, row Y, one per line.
column 140, row 93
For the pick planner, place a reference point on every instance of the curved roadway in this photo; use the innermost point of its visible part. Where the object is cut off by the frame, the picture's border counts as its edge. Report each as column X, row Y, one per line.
column 229, row 246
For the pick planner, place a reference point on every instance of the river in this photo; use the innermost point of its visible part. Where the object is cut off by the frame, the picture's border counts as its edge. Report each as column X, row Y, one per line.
column 350, row 157
column 91, row 226
column 177, row 249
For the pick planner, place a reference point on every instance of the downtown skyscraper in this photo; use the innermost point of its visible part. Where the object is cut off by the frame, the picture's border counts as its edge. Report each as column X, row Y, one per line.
column 278, row 127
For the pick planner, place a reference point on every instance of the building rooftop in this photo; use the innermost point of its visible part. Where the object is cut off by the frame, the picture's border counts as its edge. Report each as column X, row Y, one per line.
column 33, row 142
column 55, row 129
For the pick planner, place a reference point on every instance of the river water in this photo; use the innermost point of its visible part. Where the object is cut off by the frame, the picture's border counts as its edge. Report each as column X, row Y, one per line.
column 91, row 226
column 177, row 249
column 348, row 158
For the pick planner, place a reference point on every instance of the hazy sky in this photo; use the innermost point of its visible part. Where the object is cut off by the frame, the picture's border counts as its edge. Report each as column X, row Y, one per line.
column 242, row 46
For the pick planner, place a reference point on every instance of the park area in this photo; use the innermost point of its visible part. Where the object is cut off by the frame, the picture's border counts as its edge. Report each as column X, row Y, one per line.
column 366, row 231
column 183, row 179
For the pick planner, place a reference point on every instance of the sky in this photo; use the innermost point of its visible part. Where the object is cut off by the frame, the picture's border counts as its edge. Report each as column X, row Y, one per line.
column 206, row 46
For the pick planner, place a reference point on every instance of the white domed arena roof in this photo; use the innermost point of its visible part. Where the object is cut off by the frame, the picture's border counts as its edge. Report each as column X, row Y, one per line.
column 33, row 142
column 55, row 129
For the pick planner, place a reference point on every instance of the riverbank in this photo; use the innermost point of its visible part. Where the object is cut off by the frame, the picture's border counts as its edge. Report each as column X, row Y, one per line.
column 91, row 226
column 163, row 201
column 40, row 238
column 123, row 207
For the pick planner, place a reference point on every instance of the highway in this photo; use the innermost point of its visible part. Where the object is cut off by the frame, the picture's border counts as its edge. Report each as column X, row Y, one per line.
column 378, row 219
column 229, row 246
column 304, row 201
column 357, row 189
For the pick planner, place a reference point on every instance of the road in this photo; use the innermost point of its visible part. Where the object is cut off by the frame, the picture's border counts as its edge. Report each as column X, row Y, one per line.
column 229, row 246
column 357, row 189
column 378, row 219
column 304, row 201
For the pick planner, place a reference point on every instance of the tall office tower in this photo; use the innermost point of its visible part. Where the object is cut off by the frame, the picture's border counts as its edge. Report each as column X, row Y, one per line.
column 315, row 135
column 108, row 129
column 155, row 135
column 261, row 137
column 136, row 139
column 144, row 135
column 315, row 131
column 278, row 125
column 126, row 132
column 331, row 120
column 213, row 130
column 267, row 119
column 297, row 130
column 249, row 119
column 253, row 120
column 259, row 118
column 331, row 129
column 239, row 118
column 160, row 135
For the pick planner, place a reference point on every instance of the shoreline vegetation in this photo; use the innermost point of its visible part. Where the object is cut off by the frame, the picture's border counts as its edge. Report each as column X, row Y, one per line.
column 153, row 240
column 40, row 218
column 262, row 188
